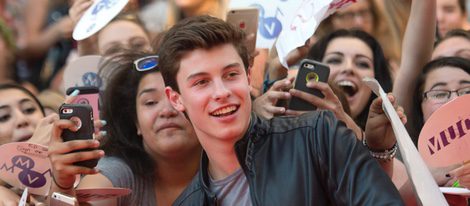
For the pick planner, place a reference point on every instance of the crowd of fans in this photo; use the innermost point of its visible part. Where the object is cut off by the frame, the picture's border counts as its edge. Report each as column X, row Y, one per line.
column 207, row 123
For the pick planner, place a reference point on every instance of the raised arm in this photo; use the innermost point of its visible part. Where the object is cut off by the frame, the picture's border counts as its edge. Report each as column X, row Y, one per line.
column 416, row 50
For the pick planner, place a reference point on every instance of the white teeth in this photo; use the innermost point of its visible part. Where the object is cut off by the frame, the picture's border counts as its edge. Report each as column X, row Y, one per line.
column 345, row 83
column 225, row 110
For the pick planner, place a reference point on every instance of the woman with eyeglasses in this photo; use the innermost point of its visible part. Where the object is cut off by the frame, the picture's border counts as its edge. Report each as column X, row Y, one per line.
column 151, row 148
column 441, row 81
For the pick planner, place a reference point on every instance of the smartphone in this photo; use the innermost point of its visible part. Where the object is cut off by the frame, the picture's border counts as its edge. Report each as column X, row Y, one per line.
column 247, row 20
column 59, row 199
column 309, row 70
column 88, row 95
column 82, row 116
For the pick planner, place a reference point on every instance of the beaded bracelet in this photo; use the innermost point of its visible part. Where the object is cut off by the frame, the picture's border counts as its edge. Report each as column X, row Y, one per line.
column 387, row 154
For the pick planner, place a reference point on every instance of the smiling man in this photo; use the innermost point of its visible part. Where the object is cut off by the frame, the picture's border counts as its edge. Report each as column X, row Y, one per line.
column 305, row 160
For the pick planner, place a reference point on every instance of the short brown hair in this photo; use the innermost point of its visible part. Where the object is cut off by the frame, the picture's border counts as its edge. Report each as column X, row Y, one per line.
column 200, row 32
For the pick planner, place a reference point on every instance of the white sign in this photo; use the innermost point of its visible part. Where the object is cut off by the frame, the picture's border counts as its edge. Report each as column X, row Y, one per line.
column 96, row 17
column 424, row 184
column 303, row 24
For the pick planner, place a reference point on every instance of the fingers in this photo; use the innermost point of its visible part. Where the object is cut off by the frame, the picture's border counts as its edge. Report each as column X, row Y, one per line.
column 401, row 114
column 73, row 169
column 60, row 125
column 78, row 8
column 70, row 146
column 49, row 119
column 275, row 110
column 274, row 96
column 282, row 85
column 73, row 157
column 332, row 103
column 70, row 98
column 460, row 171
column 323, row 87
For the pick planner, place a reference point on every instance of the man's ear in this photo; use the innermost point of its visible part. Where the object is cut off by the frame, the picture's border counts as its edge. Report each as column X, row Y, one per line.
column 174, row 98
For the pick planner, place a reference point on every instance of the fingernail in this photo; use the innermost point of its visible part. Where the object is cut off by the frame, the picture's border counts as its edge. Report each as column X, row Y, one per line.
column 282, row 110
column 103, row 122
column 75, row 93
column 101, row 152
column 287, row 94
column 448, row 175
column 103, row 133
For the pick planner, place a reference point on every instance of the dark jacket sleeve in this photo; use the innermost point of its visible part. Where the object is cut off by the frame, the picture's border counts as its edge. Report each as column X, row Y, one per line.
column 353, row 176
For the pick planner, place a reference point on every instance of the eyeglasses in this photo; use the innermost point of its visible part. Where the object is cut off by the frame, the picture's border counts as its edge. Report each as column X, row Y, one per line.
column 442, row 96
column 146, row 63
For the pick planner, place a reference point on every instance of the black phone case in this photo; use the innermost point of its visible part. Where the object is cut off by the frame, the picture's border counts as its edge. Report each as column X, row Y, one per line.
column 308, row 69
column 84, row 114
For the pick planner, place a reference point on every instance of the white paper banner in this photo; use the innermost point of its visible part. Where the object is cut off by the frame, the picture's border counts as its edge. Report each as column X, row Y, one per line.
column 424, row 184
column 303, row 24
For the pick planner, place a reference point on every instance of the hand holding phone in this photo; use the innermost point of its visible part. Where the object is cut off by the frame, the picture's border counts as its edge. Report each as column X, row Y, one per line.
column 82, row 116
column 309, row 71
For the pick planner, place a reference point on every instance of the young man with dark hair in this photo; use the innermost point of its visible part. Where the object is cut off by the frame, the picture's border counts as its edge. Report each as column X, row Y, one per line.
column 305, row 160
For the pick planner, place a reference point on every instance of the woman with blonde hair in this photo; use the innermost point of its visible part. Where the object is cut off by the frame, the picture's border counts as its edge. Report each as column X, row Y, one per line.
column 180, row 9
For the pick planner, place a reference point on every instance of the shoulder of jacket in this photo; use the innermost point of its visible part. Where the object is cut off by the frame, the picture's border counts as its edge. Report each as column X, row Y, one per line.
column 308, row 120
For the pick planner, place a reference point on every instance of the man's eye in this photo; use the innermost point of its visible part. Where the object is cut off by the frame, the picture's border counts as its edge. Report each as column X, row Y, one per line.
column 201, row 82
column 232, row 74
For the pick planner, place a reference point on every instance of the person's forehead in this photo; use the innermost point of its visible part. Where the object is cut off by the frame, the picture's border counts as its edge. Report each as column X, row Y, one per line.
column 350, row 46
column 446, row 74
column 450, row 47
column 152, row 80
column 202, row 60
column 12, row 97
column 121, row 30
column 447, row 2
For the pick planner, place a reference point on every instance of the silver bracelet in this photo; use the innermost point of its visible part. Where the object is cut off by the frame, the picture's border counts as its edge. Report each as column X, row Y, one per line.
column 387, row 154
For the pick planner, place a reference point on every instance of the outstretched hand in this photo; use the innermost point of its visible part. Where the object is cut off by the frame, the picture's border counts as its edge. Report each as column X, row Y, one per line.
column 379, row 132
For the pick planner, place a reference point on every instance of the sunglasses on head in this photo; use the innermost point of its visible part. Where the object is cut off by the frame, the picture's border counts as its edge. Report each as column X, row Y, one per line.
column 146, row 63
